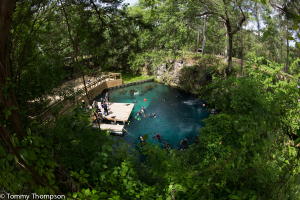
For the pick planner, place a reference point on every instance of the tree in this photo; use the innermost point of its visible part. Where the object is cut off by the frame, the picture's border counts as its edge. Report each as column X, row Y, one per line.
column 204, row 34
column 232, row 14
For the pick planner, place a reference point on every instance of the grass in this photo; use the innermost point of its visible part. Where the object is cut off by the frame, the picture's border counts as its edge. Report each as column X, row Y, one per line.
column 127, row 78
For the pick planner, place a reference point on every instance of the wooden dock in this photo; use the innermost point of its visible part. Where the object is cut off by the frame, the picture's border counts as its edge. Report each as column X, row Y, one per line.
column 116, row 112
column 116, row 129
column 119, row 111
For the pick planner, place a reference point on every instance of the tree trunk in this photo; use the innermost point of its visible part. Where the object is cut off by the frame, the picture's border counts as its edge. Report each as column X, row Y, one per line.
column 237, row 46
column 225, row 52
column 242, row 51
column 257, row 21
column 287, row 50
column 13, row 119
column 281, row 46
column 230, row 37
column 7, row 98
column 75, row 47
column 204, row 35
column 198, row 40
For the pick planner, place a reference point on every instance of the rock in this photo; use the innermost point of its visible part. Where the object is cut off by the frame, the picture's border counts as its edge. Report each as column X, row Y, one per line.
column 171, row 60
column 161, row 70
column 173, row 75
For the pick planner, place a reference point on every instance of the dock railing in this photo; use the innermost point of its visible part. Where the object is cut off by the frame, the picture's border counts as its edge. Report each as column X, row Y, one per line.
column 93, row 89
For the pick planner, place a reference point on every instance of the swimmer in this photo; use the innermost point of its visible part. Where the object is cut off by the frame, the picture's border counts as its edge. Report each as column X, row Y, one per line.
column 183, row 143
column 158, row 137
column 152, row 116
column 139, row 113
column 142, row 140
column 167, row 146
column 165, row 99
column 135, row 101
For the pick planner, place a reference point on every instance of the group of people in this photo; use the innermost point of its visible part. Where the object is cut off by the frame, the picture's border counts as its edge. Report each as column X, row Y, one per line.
column 140, row 112
column 158, row 137
column 183, row 143
column 97, row 113
column 152, row 115
column 143, row 110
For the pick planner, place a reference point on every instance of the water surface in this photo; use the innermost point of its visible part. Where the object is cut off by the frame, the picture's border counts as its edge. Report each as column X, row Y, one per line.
column 177, row 117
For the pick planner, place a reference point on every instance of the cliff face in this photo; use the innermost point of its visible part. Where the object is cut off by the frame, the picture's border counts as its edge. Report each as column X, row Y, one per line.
column 189, row 74
column 170, row 72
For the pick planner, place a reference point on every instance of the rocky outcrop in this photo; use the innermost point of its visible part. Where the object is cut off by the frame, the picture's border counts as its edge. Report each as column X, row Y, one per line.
column 170, row 72
column 160, row 71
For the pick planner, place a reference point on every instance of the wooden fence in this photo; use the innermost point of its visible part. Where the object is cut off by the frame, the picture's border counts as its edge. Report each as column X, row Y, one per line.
column 93, row 89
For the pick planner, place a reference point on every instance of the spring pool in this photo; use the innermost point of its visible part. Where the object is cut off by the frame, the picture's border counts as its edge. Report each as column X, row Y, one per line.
column 176, row 118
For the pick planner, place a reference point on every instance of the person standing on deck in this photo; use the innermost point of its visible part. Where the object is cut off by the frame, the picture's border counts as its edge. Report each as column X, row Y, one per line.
column 107, row 97
column 102, row 102
column 105, row 108
column 96, row 105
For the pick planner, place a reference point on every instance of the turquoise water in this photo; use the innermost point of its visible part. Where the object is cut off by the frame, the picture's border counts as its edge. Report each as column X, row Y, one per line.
column 177, row 117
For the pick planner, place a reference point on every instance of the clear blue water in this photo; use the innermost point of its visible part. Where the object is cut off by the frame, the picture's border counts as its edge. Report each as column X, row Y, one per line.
column 177, row 117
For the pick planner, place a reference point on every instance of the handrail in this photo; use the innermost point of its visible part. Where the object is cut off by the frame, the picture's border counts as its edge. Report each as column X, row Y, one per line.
column 47, row 115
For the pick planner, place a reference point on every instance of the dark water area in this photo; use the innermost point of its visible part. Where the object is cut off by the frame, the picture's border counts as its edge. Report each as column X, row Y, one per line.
column 176, row 118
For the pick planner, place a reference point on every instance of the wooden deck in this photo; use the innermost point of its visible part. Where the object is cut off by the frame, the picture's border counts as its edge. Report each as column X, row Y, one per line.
column 113, row 128
column 121, row 111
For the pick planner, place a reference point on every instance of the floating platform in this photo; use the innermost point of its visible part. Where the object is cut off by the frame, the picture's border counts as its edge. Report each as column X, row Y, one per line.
column 119, row 112
column 113, row 128
column 116, row 112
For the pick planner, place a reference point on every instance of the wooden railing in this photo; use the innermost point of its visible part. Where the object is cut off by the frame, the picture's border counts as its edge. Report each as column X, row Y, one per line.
column 63, row 105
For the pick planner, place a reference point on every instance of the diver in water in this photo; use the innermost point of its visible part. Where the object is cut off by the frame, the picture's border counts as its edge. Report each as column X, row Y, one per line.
column 167, row 147
column 152, row 116
column 142, row 140
column 139, row 113
column 158, row 137
column 184, row 143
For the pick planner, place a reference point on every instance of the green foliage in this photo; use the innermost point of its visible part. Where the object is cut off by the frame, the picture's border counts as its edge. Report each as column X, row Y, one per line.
column 252, row 130
column 248, row 151
column 129, row 77
column 194, row 77
column 295, row 67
